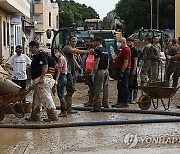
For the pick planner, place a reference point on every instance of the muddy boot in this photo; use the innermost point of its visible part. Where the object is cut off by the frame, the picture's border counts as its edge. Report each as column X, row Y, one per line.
column 122, row 105
column 96, row 105
column 52, row 115
column 69, row 105
column 88, row 104
column 105, row 102
column 35, row 115
column 63, row 114
column 118, row 102
column 63, row 109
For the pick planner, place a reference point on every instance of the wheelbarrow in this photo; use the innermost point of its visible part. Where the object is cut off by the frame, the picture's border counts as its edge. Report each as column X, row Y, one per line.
column 10, row 100
column 154, row 94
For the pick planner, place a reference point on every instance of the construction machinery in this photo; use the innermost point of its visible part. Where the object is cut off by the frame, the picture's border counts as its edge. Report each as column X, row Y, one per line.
column 93, row 28
column 140, row 36
column 94, row 24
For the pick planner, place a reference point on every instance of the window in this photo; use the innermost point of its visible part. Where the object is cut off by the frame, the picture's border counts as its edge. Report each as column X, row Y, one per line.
column 49, row 19
column 57, row 21
column 8, row 37
column 4, row 33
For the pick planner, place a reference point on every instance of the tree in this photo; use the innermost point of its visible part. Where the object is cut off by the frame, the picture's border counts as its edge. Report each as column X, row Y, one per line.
column 74, row 13
column 136, row 14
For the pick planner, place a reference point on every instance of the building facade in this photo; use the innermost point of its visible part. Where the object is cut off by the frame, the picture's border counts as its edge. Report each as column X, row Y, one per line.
column 46, row 17
column 177, row 18
column 11, row 13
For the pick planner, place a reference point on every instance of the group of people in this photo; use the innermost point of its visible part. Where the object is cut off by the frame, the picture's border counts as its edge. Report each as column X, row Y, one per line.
column 95, row 65
column 152, row 60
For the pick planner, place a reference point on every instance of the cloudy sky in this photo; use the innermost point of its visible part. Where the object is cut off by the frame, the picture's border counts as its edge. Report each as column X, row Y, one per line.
column 102, row 7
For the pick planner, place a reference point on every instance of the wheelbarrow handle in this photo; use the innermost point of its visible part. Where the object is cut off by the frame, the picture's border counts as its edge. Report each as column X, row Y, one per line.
column 177, row 89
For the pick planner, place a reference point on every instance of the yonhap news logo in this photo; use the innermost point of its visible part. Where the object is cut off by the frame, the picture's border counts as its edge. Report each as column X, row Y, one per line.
column 132, row 139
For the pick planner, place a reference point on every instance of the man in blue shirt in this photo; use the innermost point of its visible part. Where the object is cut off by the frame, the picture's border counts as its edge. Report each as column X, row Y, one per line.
column 43, row 83
column 101, row 76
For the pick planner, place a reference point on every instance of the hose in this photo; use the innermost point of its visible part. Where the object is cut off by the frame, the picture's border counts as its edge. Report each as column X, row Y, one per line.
column 94, row 123
column 100, row 123
column 127, row 111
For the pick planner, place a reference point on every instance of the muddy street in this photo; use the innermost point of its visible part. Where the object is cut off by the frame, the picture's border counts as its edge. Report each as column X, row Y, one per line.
column 113, row 139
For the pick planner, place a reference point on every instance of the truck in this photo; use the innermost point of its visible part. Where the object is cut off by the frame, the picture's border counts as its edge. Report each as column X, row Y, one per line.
column 61, row 39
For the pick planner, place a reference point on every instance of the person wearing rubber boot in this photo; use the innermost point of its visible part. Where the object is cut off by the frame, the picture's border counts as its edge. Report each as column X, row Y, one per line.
column 122, row 66
column 61, row 80
column 101, row 77
column 133, row 84
column 89, row 65
column 43, row 83
column 69, row 51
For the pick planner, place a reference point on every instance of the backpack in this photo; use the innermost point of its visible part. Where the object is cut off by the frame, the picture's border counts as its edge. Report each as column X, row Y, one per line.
column 51, row 65
column 90, row 62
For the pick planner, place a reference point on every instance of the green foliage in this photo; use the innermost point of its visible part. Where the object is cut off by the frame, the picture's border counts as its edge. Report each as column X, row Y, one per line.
column 74, row 13
column 136, row 14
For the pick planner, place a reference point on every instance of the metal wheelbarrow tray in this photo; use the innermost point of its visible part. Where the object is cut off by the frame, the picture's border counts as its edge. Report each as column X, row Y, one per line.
column 10, row 100
column 154, row 94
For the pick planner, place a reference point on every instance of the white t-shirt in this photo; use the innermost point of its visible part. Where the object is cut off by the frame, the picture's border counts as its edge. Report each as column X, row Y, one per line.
column 19, row 64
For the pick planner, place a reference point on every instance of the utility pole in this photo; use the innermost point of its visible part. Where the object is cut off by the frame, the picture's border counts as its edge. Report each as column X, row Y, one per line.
column 32, row 17
column 158, row 1
column 151, row 2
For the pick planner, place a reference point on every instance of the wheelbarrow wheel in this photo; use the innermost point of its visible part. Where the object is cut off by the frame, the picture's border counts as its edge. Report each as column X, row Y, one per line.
column 144, row 102
column 2, row 113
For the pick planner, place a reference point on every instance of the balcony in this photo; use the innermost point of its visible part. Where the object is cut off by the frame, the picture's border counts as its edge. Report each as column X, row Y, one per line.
column 39, row 28
column 16, row 6
column 39, row 22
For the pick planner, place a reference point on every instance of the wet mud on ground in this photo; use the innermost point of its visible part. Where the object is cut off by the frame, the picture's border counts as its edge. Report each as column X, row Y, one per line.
column 115, row 139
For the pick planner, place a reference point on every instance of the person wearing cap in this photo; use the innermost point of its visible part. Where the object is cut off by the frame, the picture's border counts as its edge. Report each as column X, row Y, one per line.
column 18, row 64
column 69, row 50
column 43, row 83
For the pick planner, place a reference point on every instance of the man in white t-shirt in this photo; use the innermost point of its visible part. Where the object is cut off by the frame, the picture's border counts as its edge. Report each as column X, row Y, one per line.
column 18, row 63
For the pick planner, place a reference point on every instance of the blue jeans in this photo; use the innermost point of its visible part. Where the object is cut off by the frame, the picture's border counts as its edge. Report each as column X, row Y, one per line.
column 62, row 81
column 122, row 86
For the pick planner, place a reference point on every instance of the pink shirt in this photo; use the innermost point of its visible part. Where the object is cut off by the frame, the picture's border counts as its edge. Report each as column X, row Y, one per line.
column 62, row 64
